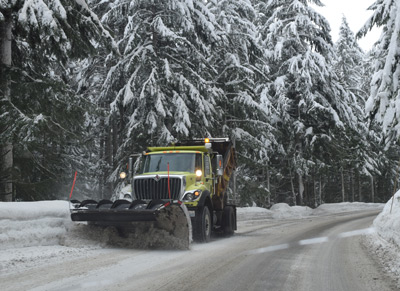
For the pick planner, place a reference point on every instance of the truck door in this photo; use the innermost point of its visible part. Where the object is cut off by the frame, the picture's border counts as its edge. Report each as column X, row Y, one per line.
column 207, row 174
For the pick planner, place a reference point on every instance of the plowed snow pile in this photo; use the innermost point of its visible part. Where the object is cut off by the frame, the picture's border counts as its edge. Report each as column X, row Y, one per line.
column 26, row 224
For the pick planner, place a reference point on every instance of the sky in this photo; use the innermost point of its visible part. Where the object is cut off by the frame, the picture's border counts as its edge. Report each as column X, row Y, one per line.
column 356, row 14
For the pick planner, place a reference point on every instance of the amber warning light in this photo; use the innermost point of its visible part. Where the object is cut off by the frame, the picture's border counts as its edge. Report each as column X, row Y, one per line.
column 207, row 140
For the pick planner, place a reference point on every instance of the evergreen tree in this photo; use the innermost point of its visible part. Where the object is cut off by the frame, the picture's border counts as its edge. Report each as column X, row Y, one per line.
column 348, row 66
column 314, row 108
column 383, row 102
column 242, row 77
column 40, row 115
column 162, row 88
column 349, row 61
column 382, row 105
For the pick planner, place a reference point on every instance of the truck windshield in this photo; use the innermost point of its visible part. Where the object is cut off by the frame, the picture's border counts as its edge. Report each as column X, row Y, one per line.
column 178, row 162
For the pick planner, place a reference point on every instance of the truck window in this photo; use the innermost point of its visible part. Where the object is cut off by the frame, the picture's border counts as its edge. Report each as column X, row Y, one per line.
column 199, row 162
column 177, row 162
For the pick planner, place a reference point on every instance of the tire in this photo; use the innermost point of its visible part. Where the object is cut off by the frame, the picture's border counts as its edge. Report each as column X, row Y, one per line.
column 202, row 225
column 228, row 220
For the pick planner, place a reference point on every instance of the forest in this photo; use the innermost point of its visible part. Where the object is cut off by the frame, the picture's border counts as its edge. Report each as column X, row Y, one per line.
column 84, row 84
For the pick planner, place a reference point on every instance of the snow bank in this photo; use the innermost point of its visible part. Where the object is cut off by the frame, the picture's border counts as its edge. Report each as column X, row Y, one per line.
column 283, row 210
column 387, row 223
column 25, row 224
column 347, row 207
column 385, row 242
column 33, row 210
column 252, row 213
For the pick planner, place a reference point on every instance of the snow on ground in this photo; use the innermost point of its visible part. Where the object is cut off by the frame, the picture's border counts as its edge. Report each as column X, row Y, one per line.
column 35, row 232
column 385, row 242
column 32, row 232
column 284, row 211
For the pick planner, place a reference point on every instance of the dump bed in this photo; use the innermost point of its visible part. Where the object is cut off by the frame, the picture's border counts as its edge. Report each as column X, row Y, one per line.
column 227, row 150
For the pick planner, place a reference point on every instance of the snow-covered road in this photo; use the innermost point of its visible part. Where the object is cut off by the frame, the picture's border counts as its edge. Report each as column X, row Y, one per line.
column 279, row 249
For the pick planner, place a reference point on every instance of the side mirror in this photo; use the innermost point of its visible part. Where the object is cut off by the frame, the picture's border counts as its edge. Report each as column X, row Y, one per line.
column 220, row 165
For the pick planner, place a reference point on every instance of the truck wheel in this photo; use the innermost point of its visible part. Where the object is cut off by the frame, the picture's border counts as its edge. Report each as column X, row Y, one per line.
column 229, row 220
column 202, row 225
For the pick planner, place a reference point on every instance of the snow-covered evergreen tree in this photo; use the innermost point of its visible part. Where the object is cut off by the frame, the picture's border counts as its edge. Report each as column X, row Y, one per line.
column 383, row 103
column 351, row 67
column 40, row 114
column 242, row 76
column 162, row 88
column 348, row 65
column 314, row 108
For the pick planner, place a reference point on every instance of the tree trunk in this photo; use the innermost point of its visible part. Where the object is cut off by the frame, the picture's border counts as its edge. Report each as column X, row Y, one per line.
column 352, row 185
column 314, row 182
column 293, row 191
column 269, row 188
column 360, row 198
column 235, row 198
column 342, row 178
column 115, row 141
column 6, row 183
column 108, row 160
column 301, row 190
column 6, row 149
column 320, row 190
column 102, row 154
column 5, row 40
column 372, row 189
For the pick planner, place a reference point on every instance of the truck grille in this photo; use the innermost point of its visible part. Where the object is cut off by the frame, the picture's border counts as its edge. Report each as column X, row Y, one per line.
column 150, row 188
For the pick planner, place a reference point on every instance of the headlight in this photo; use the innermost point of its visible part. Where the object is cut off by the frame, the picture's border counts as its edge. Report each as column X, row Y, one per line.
column 188, row 197
column 192, row 195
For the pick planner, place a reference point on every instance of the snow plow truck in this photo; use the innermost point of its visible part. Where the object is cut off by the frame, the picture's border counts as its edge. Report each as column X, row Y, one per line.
column 178, row 188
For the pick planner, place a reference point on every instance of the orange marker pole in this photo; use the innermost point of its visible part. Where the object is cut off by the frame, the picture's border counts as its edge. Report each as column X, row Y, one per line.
column 73, row 185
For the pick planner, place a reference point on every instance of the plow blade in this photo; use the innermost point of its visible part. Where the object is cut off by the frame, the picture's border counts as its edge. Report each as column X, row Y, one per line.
column 158, row 223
